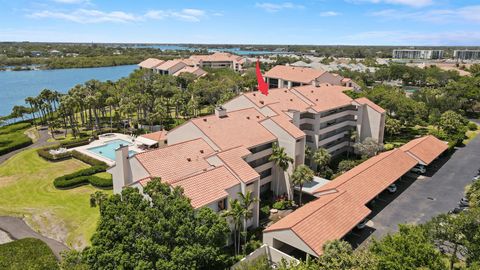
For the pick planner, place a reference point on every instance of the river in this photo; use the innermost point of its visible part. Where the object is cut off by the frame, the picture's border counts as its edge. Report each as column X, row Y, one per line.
column 15, row 86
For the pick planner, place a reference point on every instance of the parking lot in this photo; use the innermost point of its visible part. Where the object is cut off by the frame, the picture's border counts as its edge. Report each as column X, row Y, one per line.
column 420, row 198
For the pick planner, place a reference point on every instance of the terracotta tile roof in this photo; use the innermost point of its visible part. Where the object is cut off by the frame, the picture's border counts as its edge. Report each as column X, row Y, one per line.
column 286, row 124
column 176, row 161
column 238, row 128
column 194, row 70
column 282, row 97
column 295, row 74
column 327, row 218
column 233, row 159
column 325, row 97
column 217, row 57
column 156, row 136
column 370, row 103
column 150, row 63
column 426, row 148
column 207, row 187
column 169, row 64
column 371, row 177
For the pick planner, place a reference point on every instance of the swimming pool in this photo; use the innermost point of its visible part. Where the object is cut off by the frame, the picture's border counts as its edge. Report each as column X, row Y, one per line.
column 108, row 149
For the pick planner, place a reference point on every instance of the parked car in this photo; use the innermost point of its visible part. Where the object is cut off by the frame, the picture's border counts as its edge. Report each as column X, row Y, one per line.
column 476, row 178
column 362, row 224
column 463, row 202
column 392, row 188
column 420, row 169
column 458, row 209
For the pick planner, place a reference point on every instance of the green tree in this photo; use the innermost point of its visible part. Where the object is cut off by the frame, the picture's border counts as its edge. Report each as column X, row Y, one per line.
column 302, row 175
column 234, row 213
column 410, row 248
column 368, row 148
column 246, row 200
column 346, row 165
column 392, row 126
column 162, row 232
column 322, row 158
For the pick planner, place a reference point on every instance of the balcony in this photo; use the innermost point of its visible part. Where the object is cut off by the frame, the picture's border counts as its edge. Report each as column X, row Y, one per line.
column 259, row 162
column 335, row 132
column 334, row 116
column 338, row 110
column 306, row 126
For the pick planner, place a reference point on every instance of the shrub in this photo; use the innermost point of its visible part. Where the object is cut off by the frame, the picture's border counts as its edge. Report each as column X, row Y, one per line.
column 80, row 177
column 87, row 159
column 14, row 127
column 472, row 126
column 12, row 142
column 45, row 153
column 100, row 182
column 28, row 253
column 75, row 143
column 264, row 212
column 388, row 146
column 282, row 204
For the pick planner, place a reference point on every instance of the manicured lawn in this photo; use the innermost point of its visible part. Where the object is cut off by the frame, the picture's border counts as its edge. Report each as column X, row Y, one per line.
column 12, row 137
column 28, row 253
column 26, row 189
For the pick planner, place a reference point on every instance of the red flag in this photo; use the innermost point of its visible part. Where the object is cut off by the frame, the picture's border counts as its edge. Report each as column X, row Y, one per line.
column 262, row 85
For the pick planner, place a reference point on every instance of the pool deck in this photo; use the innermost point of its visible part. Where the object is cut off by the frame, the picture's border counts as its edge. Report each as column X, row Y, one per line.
column 102, row 140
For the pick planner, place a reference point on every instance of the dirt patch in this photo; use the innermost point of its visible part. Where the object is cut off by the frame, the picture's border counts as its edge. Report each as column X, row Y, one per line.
column 49, row 225
column 7, row 180
column 32, row 134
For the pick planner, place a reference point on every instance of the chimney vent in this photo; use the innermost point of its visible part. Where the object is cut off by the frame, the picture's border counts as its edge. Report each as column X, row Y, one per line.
column 189, row 159
column 220, row 112
column 201, row 151
column 262, row 102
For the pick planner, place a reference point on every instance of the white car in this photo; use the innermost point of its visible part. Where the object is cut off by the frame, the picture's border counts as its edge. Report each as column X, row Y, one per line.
column 362, row 224
column 476, row 178
column 392, row 188
column 420, row 169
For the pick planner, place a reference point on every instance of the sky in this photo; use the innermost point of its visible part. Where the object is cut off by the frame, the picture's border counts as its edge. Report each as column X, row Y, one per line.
column 319, row 22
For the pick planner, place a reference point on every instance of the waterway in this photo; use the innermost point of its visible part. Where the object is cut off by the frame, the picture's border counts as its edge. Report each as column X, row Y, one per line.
column 15, row 86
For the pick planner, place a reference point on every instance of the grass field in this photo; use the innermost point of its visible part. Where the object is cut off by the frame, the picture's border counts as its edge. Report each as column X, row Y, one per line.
column 12, row 137
column 28, row 253
column 26, row 189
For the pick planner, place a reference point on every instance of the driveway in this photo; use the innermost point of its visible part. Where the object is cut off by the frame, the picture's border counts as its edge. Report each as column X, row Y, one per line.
column 16, row 228
column 419, row 199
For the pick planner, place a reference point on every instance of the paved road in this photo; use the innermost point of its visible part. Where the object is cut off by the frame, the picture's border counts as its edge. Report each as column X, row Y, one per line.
column 418, row 200
column 42, row 141
column 16, row 228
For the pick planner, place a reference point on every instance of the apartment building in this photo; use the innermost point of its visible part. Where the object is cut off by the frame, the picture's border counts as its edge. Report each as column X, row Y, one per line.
column 216, row 156
column 219, row 60
column 466, row 54
column 293, row 76
column 417, row 54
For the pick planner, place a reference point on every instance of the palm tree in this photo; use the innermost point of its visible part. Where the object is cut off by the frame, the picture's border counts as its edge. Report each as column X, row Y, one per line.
column 321, row 157
column 97, row 198
column 235, row 213
column 246, row 201
column 352, row 137
column 31, row 101
column 302, row 175
column 280, row 158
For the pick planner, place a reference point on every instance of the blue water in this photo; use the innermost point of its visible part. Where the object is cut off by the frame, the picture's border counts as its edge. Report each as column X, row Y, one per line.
column 15, row 86
column 108, row 149
column 231, row 50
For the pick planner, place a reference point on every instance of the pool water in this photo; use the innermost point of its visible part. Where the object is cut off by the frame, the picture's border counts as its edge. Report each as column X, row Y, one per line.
column 108, row 149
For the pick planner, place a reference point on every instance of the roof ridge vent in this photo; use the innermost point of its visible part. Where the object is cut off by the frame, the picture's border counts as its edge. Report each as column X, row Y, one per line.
column 201, row 151
column 248, row 117
column 262, row 102
column 189, row 159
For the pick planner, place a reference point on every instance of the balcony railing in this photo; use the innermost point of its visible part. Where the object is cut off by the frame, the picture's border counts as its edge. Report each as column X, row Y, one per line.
column 339, row 110
column 259, row 162
column 338, row 120
column 335, row 132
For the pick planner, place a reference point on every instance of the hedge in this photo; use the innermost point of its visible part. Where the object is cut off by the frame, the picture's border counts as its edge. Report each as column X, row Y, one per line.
column 27, row 253
column 18, row 143
column 45, row 153
column 14, row 127
column 87, row 159
column 75, row 143
column 83, row 180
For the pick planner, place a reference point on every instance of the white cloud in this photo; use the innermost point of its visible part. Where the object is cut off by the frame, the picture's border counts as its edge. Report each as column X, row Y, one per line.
column 97, row 16
column 87, row 16
column 467, row 13
column 188, row 14
column 412, row 3
column 275, row 7
column 329, row 14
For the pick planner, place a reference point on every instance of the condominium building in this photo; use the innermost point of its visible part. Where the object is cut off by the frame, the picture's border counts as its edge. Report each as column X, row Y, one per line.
column 292, row 76
column 219, row 60
column 417, row 54
column 466, row 54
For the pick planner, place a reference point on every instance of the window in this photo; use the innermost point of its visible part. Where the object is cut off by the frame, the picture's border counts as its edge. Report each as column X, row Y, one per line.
column 222, row 204
column 307, row 115
column 306, row 127
column 273, row 83
column 309, row 138
column 265, row 173
column 259, row 162
column 294, row 84
column 260, row 148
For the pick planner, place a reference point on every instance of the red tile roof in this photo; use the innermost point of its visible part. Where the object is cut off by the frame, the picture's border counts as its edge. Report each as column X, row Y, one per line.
column 169, row 64
column 207, row 187
column 284, row 99
column 193, row 70
column 294, row 74
column 329, row 217
column 371, row 177
column 325, row 96
column 150, row 63
column 426, row 148
column 238, row 128
column 176, row 161
column 217, row 57
column 370, row 103
column 233, row 159
column 156, row 136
